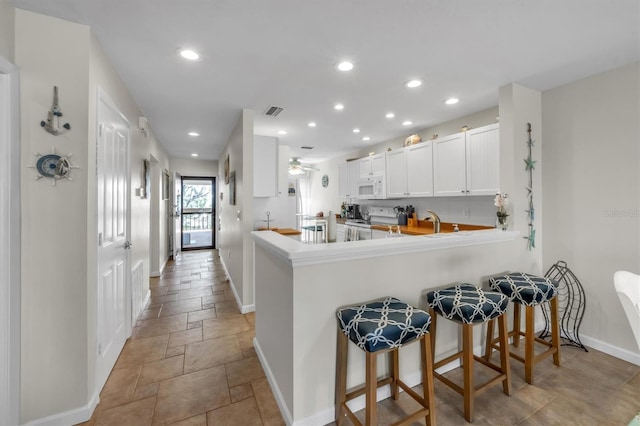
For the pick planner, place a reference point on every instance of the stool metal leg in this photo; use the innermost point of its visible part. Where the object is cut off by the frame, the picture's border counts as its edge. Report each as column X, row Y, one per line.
column 371, row 410
column 555, row 330
column 427, row 379
column 341, row 375
column 467, row 365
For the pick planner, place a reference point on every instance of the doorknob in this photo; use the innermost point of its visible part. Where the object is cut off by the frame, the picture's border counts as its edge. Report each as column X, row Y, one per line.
column 127, row 245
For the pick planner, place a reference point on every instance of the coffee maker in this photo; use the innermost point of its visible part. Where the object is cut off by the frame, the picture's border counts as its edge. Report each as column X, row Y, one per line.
column 353, row 211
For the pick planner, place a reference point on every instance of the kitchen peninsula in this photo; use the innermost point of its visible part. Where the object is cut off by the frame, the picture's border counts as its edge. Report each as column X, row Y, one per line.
column 299, row 286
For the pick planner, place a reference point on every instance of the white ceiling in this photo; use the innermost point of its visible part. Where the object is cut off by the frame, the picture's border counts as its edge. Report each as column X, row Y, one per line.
column 257, row 53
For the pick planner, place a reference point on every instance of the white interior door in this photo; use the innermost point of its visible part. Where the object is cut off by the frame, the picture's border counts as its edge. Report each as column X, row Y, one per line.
column 177, row 212
column 114, row 300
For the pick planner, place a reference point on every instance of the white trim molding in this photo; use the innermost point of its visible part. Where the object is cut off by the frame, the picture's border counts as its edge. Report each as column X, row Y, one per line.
column 9, row 243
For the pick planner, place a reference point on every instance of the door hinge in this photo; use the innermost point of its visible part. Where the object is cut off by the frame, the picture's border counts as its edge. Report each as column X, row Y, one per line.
column 99, row 348
column 100, row 126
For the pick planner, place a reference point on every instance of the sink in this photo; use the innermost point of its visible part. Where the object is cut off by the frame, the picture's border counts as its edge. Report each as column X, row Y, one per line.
column 451, row 234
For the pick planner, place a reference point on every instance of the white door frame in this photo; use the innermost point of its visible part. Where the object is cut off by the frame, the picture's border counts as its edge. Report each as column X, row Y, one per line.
column 9, row 244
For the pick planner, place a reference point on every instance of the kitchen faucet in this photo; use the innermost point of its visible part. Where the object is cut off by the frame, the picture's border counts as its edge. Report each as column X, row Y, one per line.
column 436, row 222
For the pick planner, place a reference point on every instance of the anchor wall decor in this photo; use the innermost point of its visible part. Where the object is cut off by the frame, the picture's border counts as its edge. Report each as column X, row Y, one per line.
column 52, row 125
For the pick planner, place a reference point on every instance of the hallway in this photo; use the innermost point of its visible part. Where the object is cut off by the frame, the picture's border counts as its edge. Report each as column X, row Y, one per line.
column 190, row 359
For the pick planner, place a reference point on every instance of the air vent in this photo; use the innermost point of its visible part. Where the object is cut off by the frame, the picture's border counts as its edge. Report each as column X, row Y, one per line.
column 306, row 147
column 273, row 111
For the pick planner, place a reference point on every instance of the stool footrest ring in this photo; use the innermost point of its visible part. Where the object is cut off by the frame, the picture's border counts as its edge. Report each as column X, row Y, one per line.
column 408, row 420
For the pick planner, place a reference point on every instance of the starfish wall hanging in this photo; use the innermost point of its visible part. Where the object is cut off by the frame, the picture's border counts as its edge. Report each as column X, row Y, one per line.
column 530, row 166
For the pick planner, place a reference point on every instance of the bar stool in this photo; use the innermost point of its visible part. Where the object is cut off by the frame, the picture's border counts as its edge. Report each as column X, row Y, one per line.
column 377, row 327
column 530, row 291
column 470, row 305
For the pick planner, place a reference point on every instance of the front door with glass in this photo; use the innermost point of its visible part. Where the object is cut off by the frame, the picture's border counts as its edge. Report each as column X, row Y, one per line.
column 198, row 208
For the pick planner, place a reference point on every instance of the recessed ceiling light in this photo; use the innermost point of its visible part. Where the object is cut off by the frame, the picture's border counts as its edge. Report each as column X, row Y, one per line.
column 338, row 107
column 194, row 155
column 413, row 83
column 193, row 134
column 366, row 138
column 282, row 132
column 451, row 101
column 407, row 123
column 189, row 54
column 356, row 130
column 345, row 66
column 390, row 115
column 311, row 124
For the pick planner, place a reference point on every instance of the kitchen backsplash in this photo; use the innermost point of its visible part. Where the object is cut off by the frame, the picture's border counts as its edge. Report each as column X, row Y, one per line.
column 476, row 210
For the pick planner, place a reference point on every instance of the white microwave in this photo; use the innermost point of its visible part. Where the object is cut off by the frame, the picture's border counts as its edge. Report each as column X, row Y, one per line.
column 372, row 187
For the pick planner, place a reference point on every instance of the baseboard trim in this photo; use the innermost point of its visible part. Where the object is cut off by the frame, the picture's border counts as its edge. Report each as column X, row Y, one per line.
column 71, row 417
column 615, row 351
column 272, row 383
column 243, row 308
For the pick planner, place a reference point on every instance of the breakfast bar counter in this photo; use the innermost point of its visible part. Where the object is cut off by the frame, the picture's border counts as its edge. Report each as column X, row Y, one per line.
column 299, row 286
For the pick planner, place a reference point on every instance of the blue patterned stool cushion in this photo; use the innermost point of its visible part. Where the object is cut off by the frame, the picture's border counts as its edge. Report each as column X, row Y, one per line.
column 382, row 324
column 526, row 289
column 467, row 303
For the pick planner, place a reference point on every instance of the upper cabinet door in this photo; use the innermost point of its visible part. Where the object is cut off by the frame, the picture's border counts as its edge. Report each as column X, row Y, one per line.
column 419, row 160
column 449, row 169
column 483, row 160
column 396, row 175
column 372, row 165
column 378, row 166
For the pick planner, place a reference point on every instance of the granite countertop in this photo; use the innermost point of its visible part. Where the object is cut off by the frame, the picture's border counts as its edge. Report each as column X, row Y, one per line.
column 424, row 227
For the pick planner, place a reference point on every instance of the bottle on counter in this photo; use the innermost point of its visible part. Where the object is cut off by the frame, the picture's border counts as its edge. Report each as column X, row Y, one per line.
column 331, row 225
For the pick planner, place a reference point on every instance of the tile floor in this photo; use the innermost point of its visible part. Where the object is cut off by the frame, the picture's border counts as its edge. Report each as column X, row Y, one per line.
column 190, row 361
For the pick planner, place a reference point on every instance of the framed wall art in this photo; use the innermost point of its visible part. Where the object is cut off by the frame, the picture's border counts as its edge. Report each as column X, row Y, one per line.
column 166, row 182
column 232, row 188
column 147, row 179
column 226, row 169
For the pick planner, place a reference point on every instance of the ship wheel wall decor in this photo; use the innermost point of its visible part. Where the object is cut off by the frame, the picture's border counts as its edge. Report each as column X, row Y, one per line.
column 53, row 166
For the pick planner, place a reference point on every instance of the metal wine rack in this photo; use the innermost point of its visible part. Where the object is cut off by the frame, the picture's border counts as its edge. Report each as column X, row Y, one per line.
column 571, row 304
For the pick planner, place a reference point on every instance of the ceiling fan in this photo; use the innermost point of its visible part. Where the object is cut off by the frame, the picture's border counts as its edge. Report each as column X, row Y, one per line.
column 297, row 168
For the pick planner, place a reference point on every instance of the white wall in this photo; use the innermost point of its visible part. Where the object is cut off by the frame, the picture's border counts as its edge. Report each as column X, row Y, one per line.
column 58, row 230
column 7, row 27
column 591, row 186
column 54, row 234
column 189, row 167
column 519, row 106
column 236, row 221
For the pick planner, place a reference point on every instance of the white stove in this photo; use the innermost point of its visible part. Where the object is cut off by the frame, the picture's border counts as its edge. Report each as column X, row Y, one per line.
column 382, row 215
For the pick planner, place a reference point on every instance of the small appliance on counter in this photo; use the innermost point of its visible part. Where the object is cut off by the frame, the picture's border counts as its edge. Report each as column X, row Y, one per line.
column 353, row 211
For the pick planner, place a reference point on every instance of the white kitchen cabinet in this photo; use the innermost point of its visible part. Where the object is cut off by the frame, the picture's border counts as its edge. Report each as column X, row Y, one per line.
column 348, row 174
column 467, row 163
column 265, row 166
column 483, row 160
column 372, row 165
column 410, row 171
column 376, row 234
